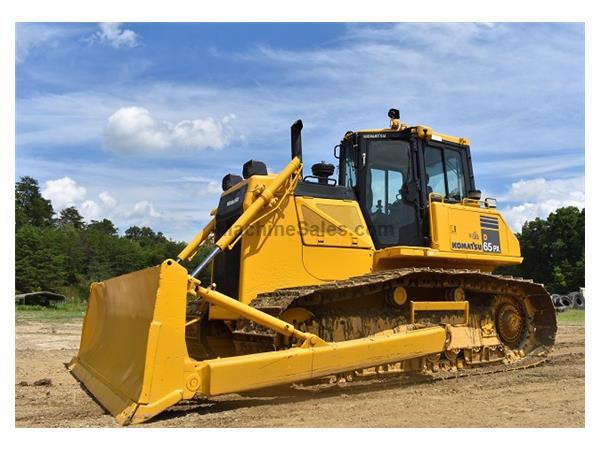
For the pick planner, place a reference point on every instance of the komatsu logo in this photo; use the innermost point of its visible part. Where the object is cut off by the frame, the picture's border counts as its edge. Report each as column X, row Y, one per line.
column 233, row 201
column 466, row 246
column 375, row 136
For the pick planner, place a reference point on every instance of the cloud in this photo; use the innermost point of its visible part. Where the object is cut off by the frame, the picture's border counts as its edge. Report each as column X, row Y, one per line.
column 63, row 192
column 90, row 210
column 143, row 209
column 113, row 34
column 107, row 200
column 445, row 38
column 464, row 78
column 539, row 197
column 211, row 188
column 540, row 189
column 140, row 213
column 66, row 192
column 516, row 165
column 134, row 129
column 30, row 36
column 205, row 186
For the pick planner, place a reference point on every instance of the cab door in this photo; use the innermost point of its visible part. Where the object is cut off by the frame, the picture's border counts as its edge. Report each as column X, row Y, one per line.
column 389, row 189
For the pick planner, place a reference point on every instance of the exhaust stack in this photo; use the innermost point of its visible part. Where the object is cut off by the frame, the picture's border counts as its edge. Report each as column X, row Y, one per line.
column 296, row 141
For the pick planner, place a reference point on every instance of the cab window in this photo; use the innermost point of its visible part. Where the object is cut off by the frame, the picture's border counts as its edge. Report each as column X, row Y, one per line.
column 349, row 166
column 445, row 173
column 454, row 174
column 434, row 167
column 386, row 186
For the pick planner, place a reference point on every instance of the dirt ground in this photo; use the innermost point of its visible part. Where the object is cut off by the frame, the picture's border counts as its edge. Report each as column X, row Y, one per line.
column 551, row 395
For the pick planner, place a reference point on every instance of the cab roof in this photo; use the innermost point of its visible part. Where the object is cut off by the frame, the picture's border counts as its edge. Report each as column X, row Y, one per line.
column 422, row 131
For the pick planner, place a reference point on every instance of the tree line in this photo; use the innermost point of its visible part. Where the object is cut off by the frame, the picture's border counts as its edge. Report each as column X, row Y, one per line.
column 60, row 252
column 553, row 251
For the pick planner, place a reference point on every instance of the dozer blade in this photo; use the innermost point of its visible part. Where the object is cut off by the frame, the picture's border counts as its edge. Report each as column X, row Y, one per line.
column 132, row 355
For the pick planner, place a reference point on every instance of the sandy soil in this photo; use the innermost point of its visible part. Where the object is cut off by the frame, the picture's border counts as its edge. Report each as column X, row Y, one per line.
column 551, row 395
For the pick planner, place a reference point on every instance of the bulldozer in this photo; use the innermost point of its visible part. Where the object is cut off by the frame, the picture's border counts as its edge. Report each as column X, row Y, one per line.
column 386, row 268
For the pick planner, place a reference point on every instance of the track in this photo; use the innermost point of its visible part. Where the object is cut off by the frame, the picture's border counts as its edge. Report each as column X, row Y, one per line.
column 511, row 319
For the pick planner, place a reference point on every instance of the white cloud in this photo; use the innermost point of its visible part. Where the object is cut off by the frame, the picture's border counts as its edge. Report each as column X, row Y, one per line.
column 539, row 197
column 514, row 165
column 143, row 209
column 90, row 210
column 540, row 189
column 134, row 129
column 108, row 200
column 211, row 188
column 30, row 36
column 447, row 37
column 63, row 192
column 202, row 185
column 203, row 133
column 113, row 34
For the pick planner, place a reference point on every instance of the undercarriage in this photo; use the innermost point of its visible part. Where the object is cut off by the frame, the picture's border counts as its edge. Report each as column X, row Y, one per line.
column 493, row 319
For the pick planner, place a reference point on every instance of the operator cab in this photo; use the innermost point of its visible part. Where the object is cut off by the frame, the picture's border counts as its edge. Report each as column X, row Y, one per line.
column 392, row 173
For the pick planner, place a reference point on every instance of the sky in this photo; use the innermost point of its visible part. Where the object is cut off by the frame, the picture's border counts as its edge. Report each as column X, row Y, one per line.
column 138, row 122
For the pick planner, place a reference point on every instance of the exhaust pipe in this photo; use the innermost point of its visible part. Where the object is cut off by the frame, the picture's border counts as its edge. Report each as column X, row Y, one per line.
column 296, row 135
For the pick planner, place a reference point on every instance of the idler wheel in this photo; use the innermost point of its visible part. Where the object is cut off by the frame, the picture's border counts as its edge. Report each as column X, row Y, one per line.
column 511, row 323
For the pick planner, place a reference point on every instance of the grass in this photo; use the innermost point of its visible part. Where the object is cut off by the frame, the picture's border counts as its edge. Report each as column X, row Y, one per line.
column 571, row 317
column 62, row 312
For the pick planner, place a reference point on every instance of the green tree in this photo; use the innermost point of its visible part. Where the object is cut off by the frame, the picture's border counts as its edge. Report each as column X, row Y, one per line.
column 155, row 246
column 144, row 235
column 71, row 217
column 39, row 259
column 107, row 256
column 103, row 226
column 30, row 207
column 73, row 254
column 73, row 251
column 553, row 250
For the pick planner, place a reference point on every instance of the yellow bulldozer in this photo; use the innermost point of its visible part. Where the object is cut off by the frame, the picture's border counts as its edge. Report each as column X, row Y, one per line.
column 386, row 268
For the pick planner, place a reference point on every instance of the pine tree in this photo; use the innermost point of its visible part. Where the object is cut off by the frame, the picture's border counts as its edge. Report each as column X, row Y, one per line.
column 71, row 217
column 30, row 207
